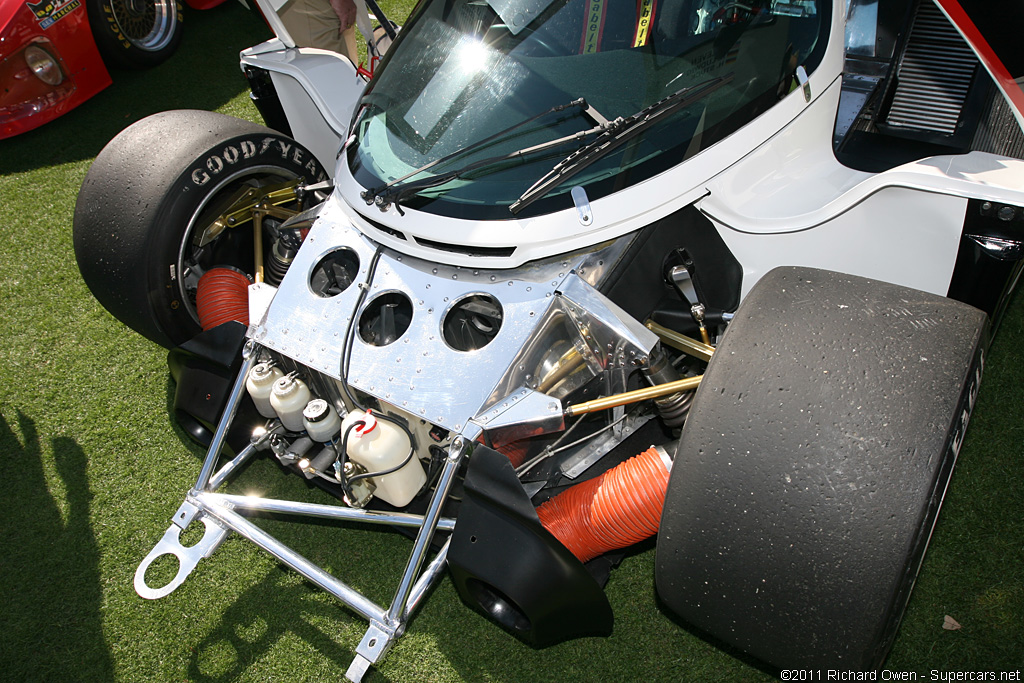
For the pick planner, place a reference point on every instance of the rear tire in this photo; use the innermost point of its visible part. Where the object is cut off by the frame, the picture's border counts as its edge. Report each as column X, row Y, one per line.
column 812, row 466
column 155, row 186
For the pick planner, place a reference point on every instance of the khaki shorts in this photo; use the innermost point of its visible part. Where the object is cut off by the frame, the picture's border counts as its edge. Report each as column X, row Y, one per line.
column 313, row 23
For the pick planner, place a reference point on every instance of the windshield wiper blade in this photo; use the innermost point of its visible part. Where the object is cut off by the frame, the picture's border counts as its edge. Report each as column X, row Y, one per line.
column 383, row 195
column 614, row 136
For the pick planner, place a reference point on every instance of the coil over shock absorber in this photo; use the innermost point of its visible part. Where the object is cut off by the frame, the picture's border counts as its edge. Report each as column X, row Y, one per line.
column 281, row 255
column 672, row 408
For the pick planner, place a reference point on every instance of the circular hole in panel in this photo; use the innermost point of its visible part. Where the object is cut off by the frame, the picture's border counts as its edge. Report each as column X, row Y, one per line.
column 334, row 273
column 385, row 319
column 472, row 322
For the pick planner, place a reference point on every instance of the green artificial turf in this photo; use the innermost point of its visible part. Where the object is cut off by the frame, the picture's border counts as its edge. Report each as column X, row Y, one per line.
column 92, row 468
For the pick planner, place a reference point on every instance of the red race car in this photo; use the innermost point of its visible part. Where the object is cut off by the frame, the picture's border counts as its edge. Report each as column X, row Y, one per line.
column 54, row 54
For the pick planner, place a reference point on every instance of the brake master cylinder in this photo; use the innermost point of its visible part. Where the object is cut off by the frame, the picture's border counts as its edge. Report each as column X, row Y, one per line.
column 259, row 383
column 321, row 421
column 289, row 397
column 380, row 446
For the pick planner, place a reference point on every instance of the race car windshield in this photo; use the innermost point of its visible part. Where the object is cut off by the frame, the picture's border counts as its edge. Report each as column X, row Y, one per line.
column 460, row 73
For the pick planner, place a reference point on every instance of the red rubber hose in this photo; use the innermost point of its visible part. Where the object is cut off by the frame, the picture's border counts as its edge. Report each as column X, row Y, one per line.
column 615, row 510
column 223, row 295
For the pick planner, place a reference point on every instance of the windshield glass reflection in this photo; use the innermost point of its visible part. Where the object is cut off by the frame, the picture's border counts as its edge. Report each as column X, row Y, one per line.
column 461, row 73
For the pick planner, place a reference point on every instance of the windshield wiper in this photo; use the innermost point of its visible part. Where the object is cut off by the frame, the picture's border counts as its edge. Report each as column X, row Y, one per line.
column 399, row 188
column 398, row 193
column 614, row 136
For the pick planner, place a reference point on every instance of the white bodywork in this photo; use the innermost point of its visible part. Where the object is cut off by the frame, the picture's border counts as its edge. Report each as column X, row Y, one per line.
column 318, row 90
column 790, row 202
column 773, row 189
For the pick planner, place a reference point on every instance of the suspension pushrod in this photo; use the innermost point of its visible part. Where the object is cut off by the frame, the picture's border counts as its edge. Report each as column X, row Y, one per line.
column 615, row 400
column 685, row 344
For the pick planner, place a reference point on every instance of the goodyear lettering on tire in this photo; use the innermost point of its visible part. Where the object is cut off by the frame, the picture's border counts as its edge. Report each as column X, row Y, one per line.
column 271, row 148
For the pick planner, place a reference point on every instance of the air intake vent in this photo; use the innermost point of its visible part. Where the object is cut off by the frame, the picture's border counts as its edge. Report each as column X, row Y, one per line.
column 468, row 250
column 935, row 74
column 383, row 228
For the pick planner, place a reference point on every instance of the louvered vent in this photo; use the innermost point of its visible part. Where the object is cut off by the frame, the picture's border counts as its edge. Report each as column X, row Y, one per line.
column 934, row 75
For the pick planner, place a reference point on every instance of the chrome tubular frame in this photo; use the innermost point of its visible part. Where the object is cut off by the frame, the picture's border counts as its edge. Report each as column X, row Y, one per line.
column 221, row 513
column 558, row 333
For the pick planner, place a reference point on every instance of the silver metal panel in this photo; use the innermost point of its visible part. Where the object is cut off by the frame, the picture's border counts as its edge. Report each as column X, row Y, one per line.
column 607, row 329
column 419, row 373
column 521, row 415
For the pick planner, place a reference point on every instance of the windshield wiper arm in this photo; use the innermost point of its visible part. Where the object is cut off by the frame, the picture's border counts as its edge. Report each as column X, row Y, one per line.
column 387, row 193
column 396, row 194
column 614, row 136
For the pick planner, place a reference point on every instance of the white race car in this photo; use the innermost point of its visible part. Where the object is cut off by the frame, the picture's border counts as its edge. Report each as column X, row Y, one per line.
column 565, row 274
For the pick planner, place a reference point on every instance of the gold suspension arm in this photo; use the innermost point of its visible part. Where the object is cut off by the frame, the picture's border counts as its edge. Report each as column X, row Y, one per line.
column 245, row 202
column 681, row 342
column 258, row 212
column 253, row 204
column 684, row 384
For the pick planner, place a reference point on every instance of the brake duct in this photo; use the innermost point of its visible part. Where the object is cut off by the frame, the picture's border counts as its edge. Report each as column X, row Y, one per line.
column 614, row 510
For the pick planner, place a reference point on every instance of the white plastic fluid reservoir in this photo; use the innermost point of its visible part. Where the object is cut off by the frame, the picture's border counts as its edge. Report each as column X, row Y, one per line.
column 321, row 421
column 259, row 383
column 379, row 445
column 289, row 397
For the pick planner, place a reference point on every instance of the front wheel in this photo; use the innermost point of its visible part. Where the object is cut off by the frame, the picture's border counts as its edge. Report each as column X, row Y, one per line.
column 135, row 34
column 812, row 466
column 152, row 190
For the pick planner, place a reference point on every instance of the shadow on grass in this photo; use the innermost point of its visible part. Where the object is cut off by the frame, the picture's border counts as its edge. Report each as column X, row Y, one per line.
column 278, row 606
column 202, row 74
column 49, row 568
column 284, row 611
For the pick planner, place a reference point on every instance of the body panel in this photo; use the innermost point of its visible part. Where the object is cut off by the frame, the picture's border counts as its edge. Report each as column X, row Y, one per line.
column 65, row 33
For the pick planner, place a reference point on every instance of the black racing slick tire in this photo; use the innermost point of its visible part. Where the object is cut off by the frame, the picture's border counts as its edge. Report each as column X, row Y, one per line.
column 135, row 34
column 812, row 466
column 151, row 190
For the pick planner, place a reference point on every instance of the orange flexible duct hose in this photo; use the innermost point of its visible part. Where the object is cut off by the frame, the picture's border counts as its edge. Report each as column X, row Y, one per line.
column 615, row 510
column 222, row 295
column 515, row 451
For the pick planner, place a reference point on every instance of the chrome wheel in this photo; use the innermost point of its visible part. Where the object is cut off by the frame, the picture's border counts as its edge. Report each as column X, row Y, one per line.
column 147, row 24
